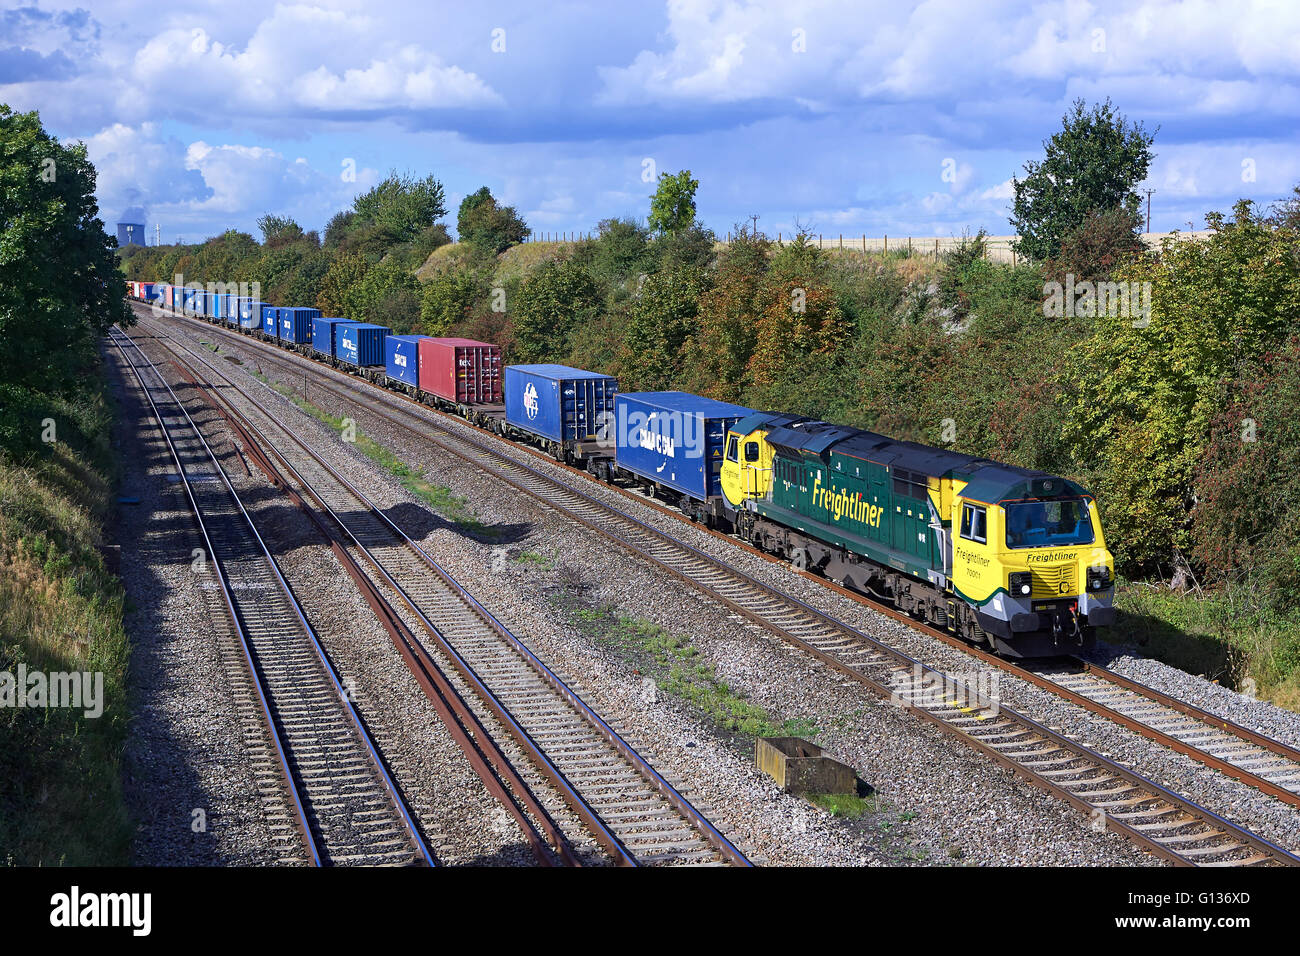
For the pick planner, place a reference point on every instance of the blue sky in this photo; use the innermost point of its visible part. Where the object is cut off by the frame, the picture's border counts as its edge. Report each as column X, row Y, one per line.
column 845, row 117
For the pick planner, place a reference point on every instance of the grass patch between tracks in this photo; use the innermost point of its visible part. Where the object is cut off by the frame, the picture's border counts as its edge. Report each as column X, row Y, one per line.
column 674, row 663
column 61, row 799
column 439, row 497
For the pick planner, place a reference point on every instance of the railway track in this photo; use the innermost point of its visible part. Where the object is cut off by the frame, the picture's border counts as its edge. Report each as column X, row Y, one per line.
column 1121, row 799
column 628, row 807
column 345, row 807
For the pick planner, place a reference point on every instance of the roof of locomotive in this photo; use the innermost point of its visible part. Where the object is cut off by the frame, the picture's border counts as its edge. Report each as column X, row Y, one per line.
column 987, row 481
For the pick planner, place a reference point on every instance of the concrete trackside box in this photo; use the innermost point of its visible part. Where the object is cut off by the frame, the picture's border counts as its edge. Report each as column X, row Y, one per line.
column 674, row 438
column 360, row 343
column 461, row 370
column 322, row 334
column 558, row 402
column 402, row 358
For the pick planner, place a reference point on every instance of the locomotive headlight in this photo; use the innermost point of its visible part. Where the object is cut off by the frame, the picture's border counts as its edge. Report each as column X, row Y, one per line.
column 1021, row 583
column 1099, row 579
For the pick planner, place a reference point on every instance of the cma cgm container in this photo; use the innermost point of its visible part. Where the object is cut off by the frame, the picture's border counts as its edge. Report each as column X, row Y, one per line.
column 674, row 439
column 295, row 325
column 322, row 334
column 461, row 370
column 564, row 405
column 402, row 358
column 360, row 343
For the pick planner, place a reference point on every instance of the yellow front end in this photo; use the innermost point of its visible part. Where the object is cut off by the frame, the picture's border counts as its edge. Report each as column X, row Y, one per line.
column 1037, row 573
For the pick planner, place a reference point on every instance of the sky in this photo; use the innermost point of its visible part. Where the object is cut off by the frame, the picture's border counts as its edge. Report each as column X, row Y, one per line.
column 845, row 117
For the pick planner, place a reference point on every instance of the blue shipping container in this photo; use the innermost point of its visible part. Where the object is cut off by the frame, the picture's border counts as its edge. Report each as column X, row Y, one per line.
column 322, row 333
column 271, row 321
column 402, row 353
column 214, row 305
column 674, row 438
column 230, row 311
column 295, row 325
column 250, row 314
column 558, row 402
column 360, row 343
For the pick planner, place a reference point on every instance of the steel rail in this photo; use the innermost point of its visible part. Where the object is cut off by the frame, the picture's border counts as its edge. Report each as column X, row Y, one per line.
column 356, row 724
column 571, row 794
column 1264, row 847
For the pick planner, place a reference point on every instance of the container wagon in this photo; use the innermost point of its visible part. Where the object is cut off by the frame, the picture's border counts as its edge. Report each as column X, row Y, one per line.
column 360, row 345
column 673, row 444
column 323, row 339
column 463, row 376
column 568, row 412
column 295, row 325
column 402, row 361
column 250, row 315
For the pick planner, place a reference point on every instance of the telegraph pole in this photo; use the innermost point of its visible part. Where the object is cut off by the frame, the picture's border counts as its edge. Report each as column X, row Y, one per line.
column 1149, row 192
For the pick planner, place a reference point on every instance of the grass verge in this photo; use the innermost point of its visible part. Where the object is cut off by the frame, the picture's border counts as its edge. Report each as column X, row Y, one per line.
column 439, row 497
column 673, row 662
column 61, row 800
column 1212, row 635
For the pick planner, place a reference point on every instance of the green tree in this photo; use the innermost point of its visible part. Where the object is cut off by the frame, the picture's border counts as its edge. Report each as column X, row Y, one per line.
column 448, row 299
column 278, row 230
column 1093, row 250
column 662, row 317
column 548, row 307
column 60, row 287
column 488, row 226
column 1145, row 390
column 672, row 207
column 1093, row 163
column 346, row 270
column 401, row 206
column 717, row 356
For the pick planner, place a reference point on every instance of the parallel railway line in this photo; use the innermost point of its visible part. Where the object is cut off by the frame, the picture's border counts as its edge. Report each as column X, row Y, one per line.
column 629, row 808
column 1170, row 826
column 346, row 809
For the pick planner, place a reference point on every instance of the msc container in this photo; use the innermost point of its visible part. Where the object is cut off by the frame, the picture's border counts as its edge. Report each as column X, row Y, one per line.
column 402, row 358
column 322, row 334
column 250, row 314
column 461, row 370
column 360, row 343
column 557, row 402
column 675, row 439
column 295, row 325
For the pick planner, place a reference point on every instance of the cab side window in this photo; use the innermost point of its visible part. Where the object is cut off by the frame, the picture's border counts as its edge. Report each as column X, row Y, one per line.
column 732, row 442
column 973, row 526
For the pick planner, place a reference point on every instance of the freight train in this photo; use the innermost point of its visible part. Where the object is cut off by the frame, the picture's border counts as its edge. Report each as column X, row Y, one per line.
column 1003, row 556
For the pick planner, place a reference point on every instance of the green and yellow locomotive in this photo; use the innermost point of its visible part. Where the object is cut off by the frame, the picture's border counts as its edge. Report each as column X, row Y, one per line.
column 1001, row 555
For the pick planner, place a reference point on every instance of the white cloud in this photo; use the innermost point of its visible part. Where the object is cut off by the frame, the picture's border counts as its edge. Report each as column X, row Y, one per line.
column 187, row 187
column 301, row 60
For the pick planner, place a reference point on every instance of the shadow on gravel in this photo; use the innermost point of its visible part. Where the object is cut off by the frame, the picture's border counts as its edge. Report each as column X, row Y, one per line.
column 161, row 786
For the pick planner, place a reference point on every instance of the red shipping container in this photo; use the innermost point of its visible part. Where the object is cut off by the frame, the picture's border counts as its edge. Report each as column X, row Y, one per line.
column 461, row 370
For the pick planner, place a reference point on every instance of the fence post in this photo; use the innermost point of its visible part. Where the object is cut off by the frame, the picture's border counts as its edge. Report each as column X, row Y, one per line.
column 841, row 242
column 909, row 247
column 864, row 243
column 936, row 250
column 886, row 243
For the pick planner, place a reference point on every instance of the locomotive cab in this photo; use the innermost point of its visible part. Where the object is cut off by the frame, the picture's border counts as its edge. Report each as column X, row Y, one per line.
column 1031, row 559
